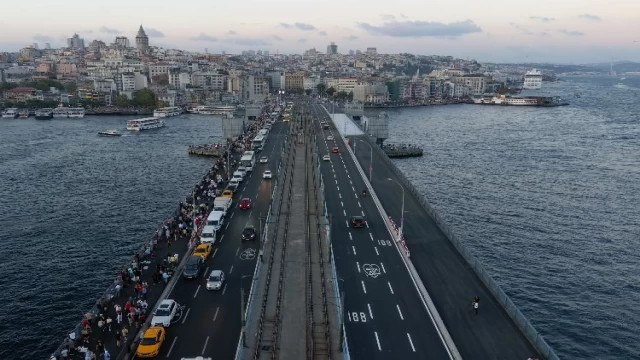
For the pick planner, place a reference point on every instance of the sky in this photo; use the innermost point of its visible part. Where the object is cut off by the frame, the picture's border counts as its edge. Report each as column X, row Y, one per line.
column 556, row 31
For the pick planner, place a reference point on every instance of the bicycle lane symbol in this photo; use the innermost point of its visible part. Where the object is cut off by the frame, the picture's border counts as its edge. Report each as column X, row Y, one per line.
column 371, row 270
column 248, row 254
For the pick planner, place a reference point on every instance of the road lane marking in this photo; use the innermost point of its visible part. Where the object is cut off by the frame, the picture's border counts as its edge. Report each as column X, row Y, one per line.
column 362, row 212
column 215, row 316
column 390, row 288
column 364, row 288
column 250, row 213
column 378, row 341
column 171, row 347
column 221, row 238
column 237, row 251
column 399, row 312
column 341, row 203
column 370, row 312
column 231, row 218
column 358, row 265
column 340, row 195
column 354, row 250
column 359, row 205
column 206, row 341
column 224, row 289
column 205, row 272
column 231, row 270
column 371, row 236
column 383, row 269
column 196, row 294
column 376, row 249
column 214, row 253
column 346, row 222
column 350, row 236
column 338, row 188
column 229, row 223
column 366, row 222
column 411, row 343
column 185, row 316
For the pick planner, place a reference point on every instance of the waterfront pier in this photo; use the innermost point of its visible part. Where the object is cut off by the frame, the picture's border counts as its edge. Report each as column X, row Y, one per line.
column 210, row 150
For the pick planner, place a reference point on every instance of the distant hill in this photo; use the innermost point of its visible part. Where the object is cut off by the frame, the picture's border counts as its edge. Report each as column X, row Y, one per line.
column 618, row 66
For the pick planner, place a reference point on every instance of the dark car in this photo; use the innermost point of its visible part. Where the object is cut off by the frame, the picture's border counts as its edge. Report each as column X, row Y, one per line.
column 249, row 233
column 358, row 222
column 194, row 267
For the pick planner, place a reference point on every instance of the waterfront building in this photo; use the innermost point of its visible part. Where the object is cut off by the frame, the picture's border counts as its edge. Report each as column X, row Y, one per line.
column 24, row 94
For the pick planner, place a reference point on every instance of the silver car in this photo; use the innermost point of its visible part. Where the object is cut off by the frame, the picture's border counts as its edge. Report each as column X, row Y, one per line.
column 215, row 280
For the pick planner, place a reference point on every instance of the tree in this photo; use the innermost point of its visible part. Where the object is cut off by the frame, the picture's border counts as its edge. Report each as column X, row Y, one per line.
column 330, row 91
column 71, row 87
column 350, row 96
column 321, row 88
column 122, row 101
column 308, row 92
column 341, row 95
column 144, row 98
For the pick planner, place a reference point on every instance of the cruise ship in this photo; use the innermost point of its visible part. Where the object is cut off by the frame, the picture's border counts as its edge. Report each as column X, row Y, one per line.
column 76, row 112
column 60, row 112
column 167, row 111
column 44, row 114
column 10, row 113
column 145, row 124
column 532, row 80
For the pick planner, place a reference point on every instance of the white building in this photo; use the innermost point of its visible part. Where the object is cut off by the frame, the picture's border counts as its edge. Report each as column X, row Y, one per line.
column 208, row 80
column 158, row 69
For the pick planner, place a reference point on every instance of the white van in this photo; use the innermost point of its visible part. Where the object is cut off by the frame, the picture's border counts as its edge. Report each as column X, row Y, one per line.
column 216, row 219
column 238, row 175
column 234, row 183
column 222, row 204
column 208, row 235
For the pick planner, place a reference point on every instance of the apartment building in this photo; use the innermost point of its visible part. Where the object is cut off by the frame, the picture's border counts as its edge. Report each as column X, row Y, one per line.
column 208, row 80
column 294, row 81
column 375, row 93
column 346, row 84
column 476, row 83
column 158, row 69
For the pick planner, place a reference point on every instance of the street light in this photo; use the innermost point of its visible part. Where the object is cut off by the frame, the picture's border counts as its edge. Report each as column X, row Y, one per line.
column 370, row 156
column 402, row 216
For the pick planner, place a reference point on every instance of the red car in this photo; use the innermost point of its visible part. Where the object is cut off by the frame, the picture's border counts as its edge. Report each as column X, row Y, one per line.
column 335, row 150
column 245, row 204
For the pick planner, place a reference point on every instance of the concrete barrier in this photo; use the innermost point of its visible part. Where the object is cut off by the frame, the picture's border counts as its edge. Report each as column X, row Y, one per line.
column 520, row 320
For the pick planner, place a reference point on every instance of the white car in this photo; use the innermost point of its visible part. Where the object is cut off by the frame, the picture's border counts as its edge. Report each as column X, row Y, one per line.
column 215, row 280
column 267, row 174
column 243, row 170
column 264, row 160
column 165, row 313
column 330, row 137
column 326, row 158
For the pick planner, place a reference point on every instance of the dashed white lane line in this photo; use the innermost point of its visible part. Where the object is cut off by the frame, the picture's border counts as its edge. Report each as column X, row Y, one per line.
column 206, row 271
column 196, row 294
column 376, row 249
column 364, row 288
column 377, row 340
column 366, row 223
column 354, row 189
column 215, row 252
column 399, row 312
column 340, row 195
column 171, row 347
column 185, row 316
column 221, row 238
column 359, row 205
column 224, row 289
column 363, row 213
column 370, row 312
column 411, row 343
column 358, row 265
column 346, row 222
column 344, row 212
column 349, row 176
column 383, row 269
column 354, row 250
column 350, row 236
column 390, row 288
column 231, row 218
column 226, row 227
column 341, row 203
column 338, row 188
column 237, row 251
column 371, row 236
column 231, row 270
column 206, row 341
column 215, row 316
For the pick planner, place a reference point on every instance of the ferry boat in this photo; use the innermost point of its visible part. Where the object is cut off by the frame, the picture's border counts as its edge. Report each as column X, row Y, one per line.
column 44, row 114
column 545, row 101
column 213, row 110
column 60, row 112
column 10, row 113
column 144, row 124
column 167, row 111
column 109, row 133
column 23, row 114
column 76, row 112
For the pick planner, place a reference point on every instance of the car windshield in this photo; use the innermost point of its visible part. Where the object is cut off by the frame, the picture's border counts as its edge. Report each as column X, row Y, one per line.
column 207, row 235
column 248, row 231
column 214, row 278
column 148, row 341
column 357, row 219
column 163, row 312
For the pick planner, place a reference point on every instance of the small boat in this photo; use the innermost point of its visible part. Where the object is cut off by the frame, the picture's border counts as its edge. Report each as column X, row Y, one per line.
column 23, row 114
column 109, row 133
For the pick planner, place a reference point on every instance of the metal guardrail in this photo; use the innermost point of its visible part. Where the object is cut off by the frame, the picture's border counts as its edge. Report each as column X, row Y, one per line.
column 516, row 315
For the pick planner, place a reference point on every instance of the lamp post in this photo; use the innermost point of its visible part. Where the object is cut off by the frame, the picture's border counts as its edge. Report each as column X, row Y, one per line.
column 402, row 216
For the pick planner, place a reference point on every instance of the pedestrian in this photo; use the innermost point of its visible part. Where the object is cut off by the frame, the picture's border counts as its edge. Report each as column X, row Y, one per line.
column 475, row 304
column 118, row 338
column 108, row 322
column 125, row 333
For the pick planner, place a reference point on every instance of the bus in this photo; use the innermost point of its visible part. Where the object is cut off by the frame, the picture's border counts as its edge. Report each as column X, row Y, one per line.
column 248, row 160
column 257, row 143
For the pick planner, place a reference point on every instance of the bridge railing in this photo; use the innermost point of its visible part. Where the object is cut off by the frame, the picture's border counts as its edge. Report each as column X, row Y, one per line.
column 516, row 315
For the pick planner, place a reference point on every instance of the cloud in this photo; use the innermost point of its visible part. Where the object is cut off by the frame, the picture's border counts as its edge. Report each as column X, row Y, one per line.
column 286, row 26
column 87, row 31
column 421, row 28
column 351, row 38
column 322, row 33
column 590, row 17
column 43, row 38
column 204, row 37
column 109, row 30
column 231, row 32
column 276, row 37
column 521, row 29
column 305, row 27
column 387, row 17
column 302, row 40
column 404, row 16
column 571, row 32
column 248, row 41
column 151, row 32
column 543, row 19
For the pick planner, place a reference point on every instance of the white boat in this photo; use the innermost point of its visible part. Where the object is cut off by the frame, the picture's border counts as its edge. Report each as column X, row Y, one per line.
column 532, row 80
column 76, row 112
column 167, row 111
column 145, row 124
column 10, row 113
column 214, row 110
column 60, row 112
column 109, row 133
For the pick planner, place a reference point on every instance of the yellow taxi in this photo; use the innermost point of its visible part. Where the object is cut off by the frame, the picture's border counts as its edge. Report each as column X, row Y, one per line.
column 203, row 250
column 151, row 342
column 227, row 193
column 285, row 119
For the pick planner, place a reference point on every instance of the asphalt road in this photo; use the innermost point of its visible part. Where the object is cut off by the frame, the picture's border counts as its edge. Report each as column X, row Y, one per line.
column 450, row 281
column 384, row 315
column 209, row 323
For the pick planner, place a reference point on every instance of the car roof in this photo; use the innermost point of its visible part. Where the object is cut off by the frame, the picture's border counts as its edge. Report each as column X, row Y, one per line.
column 166, row 303
column 202, row 246
column 153, row 331
column 215, row 273
column 250, row 227
column 357, row 217
column 246, row 199
column 194, row 258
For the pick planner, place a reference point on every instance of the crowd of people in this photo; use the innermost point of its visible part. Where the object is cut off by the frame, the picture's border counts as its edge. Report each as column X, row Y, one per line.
column 114, row 320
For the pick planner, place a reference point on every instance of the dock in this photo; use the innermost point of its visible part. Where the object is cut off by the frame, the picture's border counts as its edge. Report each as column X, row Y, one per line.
column 210, row 150
column 402, row 151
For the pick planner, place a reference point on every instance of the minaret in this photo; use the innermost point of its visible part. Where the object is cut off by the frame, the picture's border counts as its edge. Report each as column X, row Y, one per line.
column 142, row 41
